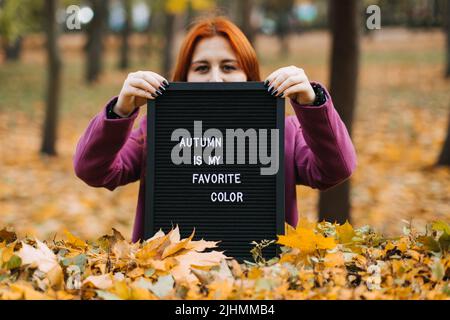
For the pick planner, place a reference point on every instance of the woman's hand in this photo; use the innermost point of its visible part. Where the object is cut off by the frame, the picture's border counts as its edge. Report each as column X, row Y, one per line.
column 291, row 82
column 137, row 88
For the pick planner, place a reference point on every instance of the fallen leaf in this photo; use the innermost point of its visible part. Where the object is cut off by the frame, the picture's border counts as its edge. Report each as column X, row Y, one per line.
column 163, row 286
column 345, row 233
column 74, row 241
column 103, row 281
column 42, row 256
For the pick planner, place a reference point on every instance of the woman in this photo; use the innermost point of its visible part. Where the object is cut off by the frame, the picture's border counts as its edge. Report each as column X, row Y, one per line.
column 318, row 149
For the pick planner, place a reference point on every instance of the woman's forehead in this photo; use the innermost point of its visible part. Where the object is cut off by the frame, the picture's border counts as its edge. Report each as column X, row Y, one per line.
column 213, row 49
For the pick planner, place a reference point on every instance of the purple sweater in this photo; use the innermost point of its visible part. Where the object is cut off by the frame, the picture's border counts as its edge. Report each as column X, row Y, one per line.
column 318, row 153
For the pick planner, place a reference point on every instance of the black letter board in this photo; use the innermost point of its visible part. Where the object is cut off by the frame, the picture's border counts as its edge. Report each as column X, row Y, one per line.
column 184, row 194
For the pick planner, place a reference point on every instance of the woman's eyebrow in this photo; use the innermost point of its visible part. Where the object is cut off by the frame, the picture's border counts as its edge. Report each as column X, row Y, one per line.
column 229, row 60
column 200, row 61
column 222, row 61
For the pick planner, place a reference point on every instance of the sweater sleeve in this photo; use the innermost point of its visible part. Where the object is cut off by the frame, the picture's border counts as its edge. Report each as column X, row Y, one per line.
column 109, row 153
column 324, row 153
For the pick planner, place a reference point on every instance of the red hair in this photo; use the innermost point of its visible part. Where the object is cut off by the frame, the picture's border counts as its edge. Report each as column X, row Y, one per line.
column 217, row 26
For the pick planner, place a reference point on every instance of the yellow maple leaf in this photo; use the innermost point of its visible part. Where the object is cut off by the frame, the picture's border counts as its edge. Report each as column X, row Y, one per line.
column 151, row 248
column 324, row 243
column 345, row 232
column 201, row 245
column 301, row 238
column 74, row 241
column 306, row 240
column 177, row 246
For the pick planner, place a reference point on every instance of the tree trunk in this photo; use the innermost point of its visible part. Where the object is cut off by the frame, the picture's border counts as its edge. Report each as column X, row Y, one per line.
column 444, row 157
column 334, row 204
column 244, row 8
column 148, row 47
column 447, row 74
column 96, row 30
column 12, row 50
column 169, row 43
column 125, row 48
column 53, row 81
column 283, row 27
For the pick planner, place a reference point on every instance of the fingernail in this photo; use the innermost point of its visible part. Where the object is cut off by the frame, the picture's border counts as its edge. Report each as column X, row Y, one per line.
column 270, row 89
column 282, row 95
column 159, row 92
column 153, row 95
column 275, row 92
column 166, row 83
column 162, row 88
column 266, row 83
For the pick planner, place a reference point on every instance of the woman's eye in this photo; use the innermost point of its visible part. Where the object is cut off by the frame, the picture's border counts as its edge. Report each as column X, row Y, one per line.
column 201, row 68
column 229, row 68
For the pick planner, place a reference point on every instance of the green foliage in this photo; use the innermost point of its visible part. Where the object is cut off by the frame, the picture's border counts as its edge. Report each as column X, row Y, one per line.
column 19, row 17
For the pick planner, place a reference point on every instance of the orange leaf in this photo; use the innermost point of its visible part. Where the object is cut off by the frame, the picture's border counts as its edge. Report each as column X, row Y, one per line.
column 175, row 247
column 345, row 232
column 74, row 241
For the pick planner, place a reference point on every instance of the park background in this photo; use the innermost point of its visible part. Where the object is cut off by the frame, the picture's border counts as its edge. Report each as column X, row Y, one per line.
column 398, row 122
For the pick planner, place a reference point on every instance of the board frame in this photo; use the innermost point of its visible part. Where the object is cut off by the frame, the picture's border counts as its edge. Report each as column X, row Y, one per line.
column 234, row 86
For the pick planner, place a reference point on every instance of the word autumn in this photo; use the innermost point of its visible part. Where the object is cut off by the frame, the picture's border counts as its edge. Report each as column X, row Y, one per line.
column 204, row 144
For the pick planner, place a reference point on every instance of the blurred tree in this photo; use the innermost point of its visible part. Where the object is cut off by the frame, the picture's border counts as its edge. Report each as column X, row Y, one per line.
column 244, row 11
column 53, row 79
column 151, row 46
column 169, row 44
column 191, row 14
column 281, row 11
column 447, row 28
column 172, row 10
column 444, row 157
column 17, row 18
column 95, row 32
column 334, row 204
column 125, row 32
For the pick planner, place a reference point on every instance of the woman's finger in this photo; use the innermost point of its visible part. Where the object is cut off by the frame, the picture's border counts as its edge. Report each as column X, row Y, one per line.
column 289, row 82
column 274, row 85
column 154, row 78
column 160, row 78
column 272, row 76
column 134, row 91
column 291, row 70
column 300, row 88
column 142, row 84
